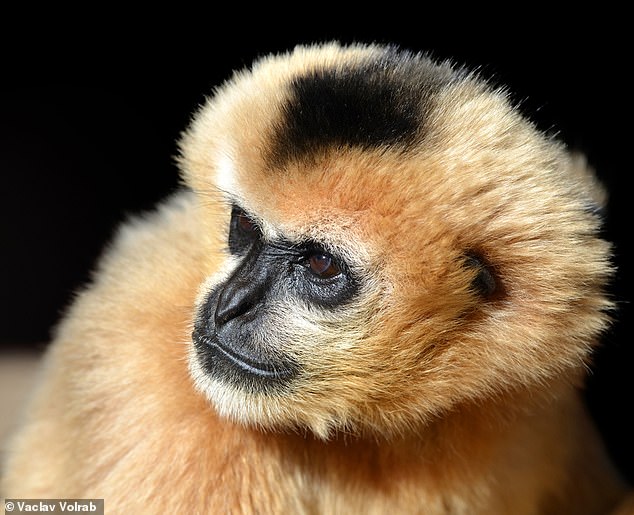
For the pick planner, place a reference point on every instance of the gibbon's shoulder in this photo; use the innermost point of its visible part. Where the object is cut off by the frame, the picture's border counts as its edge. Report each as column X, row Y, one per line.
column 156, row 248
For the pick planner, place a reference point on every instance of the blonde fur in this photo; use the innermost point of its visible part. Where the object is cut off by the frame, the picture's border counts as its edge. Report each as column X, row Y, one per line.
column 416, row 397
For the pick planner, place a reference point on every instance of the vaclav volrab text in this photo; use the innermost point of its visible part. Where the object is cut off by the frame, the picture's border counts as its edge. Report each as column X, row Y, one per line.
column 60, row 506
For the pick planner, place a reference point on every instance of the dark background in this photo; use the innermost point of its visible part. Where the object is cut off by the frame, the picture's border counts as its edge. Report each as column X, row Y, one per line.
column 89, row 121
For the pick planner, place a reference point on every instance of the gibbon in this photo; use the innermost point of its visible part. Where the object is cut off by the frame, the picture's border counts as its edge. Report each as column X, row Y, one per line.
column 377, row 292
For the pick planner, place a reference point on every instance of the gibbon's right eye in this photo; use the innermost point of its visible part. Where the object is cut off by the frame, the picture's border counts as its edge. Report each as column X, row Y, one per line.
column 243, row 231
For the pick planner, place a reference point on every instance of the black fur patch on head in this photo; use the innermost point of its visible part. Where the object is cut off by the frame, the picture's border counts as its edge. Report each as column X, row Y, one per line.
column 382, row 102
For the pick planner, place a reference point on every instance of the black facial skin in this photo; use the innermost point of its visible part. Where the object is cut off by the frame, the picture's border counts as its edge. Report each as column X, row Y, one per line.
column 229, row 334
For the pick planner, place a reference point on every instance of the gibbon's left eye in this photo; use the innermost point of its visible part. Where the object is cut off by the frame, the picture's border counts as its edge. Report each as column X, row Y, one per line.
column 323, row 265
column 243, row 231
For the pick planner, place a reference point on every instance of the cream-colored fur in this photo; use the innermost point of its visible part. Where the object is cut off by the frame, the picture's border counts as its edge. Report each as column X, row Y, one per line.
column 417, row 397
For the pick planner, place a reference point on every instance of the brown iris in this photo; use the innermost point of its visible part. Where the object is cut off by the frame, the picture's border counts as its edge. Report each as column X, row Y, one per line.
column 323, row 265
column 246, row 224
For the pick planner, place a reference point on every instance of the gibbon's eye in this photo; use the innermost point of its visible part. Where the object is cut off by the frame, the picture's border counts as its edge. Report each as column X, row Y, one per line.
column 323, row 265
column 245, row 224
column 243, row 231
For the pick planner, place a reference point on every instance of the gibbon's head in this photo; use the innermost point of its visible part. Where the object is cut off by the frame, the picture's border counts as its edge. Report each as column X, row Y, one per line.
column 399, row 241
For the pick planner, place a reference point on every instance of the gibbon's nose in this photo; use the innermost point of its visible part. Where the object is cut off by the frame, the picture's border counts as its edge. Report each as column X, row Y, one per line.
column 244, row 290
column 237, row 298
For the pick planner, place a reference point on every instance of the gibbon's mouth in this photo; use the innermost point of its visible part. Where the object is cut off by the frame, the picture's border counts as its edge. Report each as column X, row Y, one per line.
column 218, row 358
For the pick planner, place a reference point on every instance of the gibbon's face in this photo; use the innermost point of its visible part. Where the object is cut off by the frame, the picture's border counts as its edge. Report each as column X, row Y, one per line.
column 398, row 240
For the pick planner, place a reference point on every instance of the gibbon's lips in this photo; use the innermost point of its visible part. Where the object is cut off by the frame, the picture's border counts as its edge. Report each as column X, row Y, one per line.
column 216, row 356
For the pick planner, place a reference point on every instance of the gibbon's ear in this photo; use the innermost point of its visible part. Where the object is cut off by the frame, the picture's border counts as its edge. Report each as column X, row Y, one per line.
column 485, row 283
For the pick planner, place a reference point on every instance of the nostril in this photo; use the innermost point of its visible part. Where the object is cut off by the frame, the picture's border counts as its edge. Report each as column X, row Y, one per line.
column 237, row 298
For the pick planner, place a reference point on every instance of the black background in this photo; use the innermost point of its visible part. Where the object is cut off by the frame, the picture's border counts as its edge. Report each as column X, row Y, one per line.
column 89, row 121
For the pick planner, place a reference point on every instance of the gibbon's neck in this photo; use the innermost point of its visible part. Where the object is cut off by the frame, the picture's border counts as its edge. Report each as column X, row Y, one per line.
column 530, row 442
column 471, row 433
